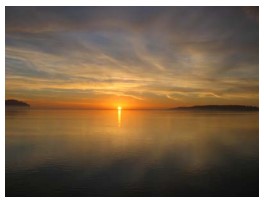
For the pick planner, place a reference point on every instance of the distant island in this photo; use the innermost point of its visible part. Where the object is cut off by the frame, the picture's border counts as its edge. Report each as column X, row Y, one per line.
column 16, row 103
column 218, row 108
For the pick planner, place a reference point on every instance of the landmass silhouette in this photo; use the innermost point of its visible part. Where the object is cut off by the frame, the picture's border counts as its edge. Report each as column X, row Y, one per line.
column 218, row 108
column 16, row 103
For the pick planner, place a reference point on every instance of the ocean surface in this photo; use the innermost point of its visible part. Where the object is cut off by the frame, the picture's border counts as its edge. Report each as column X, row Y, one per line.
column 131, row 153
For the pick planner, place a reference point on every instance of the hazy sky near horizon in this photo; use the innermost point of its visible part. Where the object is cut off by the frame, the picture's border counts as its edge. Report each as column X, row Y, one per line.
column 136, row 57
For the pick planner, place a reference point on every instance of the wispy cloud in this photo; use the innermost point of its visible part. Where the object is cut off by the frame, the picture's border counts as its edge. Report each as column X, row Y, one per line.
column 159, row 56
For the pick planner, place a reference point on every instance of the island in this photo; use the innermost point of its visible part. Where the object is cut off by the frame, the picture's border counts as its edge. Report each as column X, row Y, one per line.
column 218, row 108
column 16, row 103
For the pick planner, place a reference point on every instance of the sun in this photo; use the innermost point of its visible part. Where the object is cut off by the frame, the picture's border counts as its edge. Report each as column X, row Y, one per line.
column 119, row 108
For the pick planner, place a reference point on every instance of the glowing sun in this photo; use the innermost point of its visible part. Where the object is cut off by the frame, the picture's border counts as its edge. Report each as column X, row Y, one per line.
column 119, row 108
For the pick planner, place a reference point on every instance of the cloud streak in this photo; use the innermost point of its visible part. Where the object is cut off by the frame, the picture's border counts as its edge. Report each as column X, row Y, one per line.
column 138, row 56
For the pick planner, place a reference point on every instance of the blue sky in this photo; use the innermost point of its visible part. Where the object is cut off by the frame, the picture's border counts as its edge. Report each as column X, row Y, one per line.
column 139, row 57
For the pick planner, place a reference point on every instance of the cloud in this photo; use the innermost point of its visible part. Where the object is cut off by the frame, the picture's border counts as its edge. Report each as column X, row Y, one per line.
column 180, row 55
column 252, row 12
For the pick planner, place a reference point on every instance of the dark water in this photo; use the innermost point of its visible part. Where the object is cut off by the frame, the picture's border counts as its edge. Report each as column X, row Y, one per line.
column 131, row 153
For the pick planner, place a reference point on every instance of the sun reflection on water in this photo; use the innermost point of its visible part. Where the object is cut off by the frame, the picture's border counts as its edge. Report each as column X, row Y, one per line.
column 119, row 117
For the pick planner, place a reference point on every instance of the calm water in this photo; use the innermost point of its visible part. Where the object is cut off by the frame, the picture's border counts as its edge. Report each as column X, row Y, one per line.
column 131, row 153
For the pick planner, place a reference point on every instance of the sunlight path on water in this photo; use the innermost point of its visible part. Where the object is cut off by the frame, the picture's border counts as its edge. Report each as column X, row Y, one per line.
column 119, row 116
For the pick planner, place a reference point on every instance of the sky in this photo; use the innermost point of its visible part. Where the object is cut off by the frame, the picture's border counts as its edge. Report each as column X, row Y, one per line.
column 134, row 57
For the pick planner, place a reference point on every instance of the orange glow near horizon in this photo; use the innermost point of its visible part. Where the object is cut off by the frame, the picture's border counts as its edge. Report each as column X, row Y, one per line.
column 119, row 111
column 109, row 60
column 102, row 102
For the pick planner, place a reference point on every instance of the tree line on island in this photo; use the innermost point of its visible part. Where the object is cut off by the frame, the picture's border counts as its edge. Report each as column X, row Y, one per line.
column 17, row 103
column 218, row 108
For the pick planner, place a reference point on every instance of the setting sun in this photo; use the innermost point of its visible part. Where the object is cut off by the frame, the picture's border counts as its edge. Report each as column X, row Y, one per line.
column 131, row 101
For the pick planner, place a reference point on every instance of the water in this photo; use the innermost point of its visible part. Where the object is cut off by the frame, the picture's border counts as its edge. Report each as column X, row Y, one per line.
column 131, row 153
